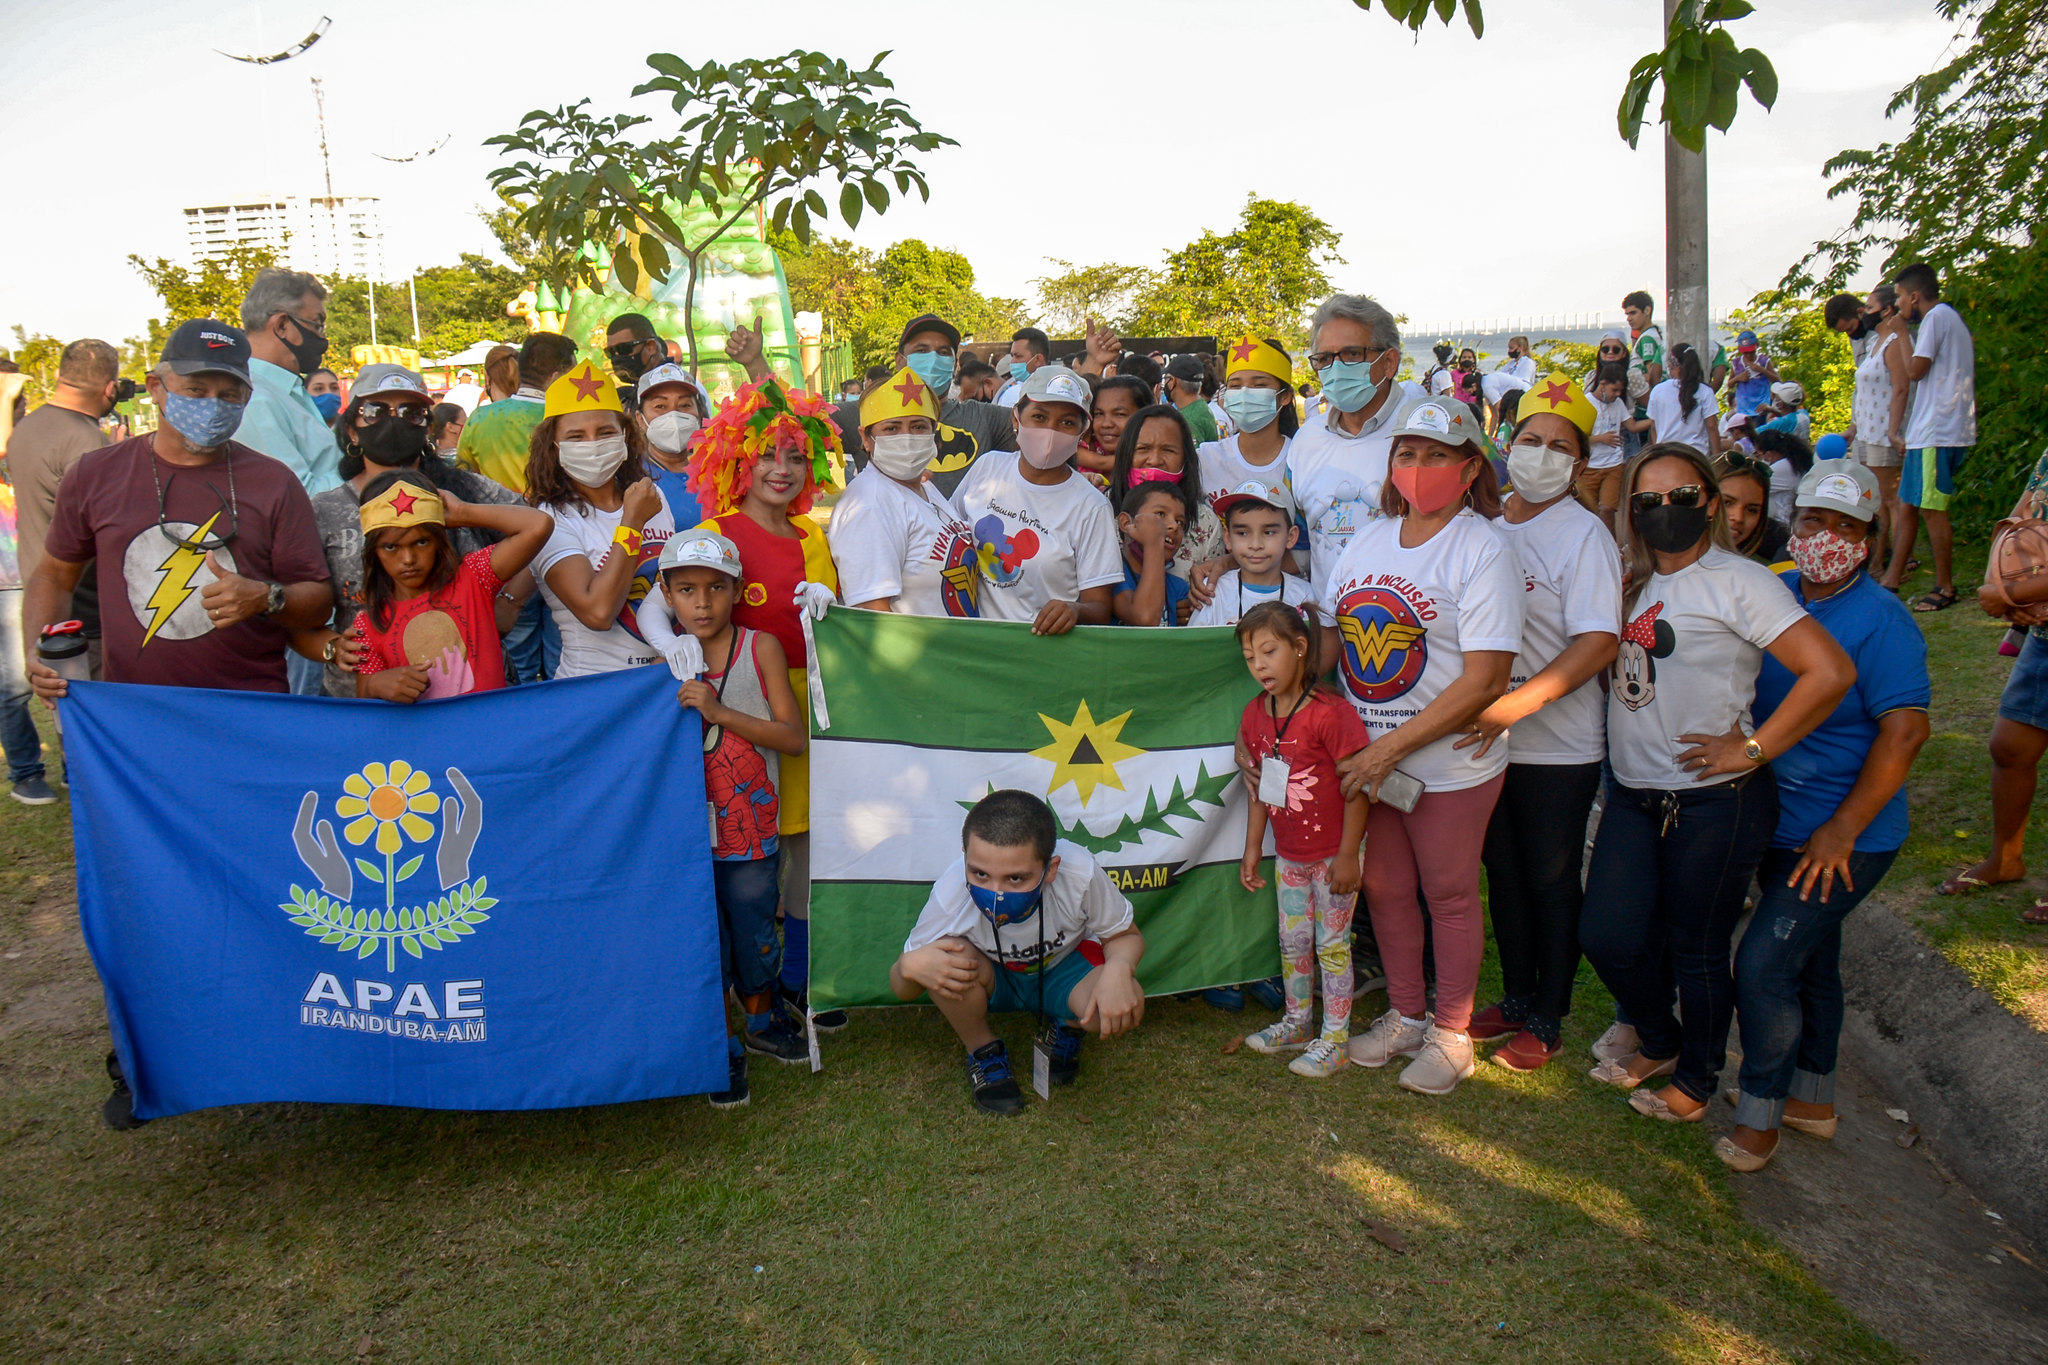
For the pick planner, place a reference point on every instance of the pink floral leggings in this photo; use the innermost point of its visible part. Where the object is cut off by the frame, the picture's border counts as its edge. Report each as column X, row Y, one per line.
column 1315, row 927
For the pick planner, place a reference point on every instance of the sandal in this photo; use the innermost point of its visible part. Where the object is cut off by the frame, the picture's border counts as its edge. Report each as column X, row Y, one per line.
column 1941, row 599
column 1615, row 1073
column 2037, row 915
column 1962, row 884
column 1650, row 1104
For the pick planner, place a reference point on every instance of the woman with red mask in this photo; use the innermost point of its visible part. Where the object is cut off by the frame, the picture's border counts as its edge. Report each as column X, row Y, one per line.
column 1427, row 602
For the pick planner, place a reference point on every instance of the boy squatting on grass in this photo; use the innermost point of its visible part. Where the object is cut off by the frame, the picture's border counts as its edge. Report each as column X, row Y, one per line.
column 1022, row 896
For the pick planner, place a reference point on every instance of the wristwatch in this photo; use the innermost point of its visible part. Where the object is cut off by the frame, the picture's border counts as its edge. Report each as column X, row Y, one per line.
column 1753, row 751
column 274, row 603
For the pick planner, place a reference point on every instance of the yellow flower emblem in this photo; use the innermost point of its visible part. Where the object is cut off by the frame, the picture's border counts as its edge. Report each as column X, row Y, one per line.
column 387, row 799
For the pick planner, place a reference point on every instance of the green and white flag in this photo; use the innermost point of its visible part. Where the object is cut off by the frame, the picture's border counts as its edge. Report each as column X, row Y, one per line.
column 1128, row 735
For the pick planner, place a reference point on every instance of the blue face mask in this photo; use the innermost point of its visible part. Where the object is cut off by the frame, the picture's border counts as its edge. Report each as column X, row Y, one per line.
column 934, row 368
column 1251, row 409
column 1007, row 907
column 1019, row 371
column 1349, row 387
column 203, row 422
column 328, row 404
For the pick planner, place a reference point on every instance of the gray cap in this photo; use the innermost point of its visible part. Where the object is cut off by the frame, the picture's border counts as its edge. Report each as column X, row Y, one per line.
column 1256, row 491
column 668, row 372
column 699, row 550
column 389, row 379
column 1440, row 419
column 1057, row 384
column 1839, row 486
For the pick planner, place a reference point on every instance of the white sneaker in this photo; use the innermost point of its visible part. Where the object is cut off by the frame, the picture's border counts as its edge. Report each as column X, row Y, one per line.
column 1321, row 1058
column 1618, row 1044
column 1280, row 1037
column 1389, row 1037
column 1445, row 1059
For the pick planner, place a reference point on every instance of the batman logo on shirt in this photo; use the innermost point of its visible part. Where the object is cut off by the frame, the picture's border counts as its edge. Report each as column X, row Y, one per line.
column 957, row 450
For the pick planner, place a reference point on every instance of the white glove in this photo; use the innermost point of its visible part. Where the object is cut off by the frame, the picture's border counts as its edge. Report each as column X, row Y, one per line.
column 813, row 598
column 686, row 658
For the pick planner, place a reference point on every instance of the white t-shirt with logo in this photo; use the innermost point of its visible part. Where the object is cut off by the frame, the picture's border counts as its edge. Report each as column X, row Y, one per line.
column 1337, row 478
column 1234, row 598
column 588, row 532
column 905, row 545
column 1035, row 544
column 1406, row 620
column 1608, row 417
column 1571, row 586
column 1944, row 404
column 1080, row 902
column 1671, row 421
column 1690, row 651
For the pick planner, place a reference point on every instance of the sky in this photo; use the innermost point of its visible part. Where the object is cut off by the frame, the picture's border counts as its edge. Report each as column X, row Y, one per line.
column 1470, row 179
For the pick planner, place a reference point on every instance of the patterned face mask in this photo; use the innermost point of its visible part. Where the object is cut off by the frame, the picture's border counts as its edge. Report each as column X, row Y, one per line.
column 1826, row 557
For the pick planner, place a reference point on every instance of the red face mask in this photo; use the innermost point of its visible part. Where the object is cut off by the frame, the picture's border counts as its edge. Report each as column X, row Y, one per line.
column 1430, row 488
column 1147, row 475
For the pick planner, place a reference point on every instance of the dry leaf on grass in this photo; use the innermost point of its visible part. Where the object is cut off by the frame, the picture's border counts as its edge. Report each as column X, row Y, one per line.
column 1387, row 1237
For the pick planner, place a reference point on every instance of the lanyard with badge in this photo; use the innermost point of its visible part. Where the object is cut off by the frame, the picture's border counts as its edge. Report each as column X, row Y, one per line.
column 1273, row 769
column 1041, row 1056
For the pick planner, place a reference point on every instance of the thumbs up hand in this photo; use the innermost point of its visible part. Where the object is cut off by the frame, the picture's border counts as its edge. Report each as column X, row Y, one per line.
column 231, row 599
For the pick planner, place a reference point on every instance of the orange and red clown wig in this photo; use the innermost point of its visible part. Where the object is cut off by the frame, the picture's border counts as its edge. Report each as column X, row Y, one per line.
column 762, row 417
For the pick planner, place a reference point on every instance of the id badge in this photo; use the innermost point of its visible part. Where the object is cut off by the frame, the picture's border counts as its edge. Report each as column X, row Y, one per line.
column 711, row 817
column 1041, row 1070
column 1273, row 781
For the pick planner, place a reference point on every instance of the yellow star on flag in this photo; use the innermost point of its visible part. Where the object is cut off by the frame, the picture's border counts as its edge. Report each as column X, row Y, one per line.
column 1085, row 752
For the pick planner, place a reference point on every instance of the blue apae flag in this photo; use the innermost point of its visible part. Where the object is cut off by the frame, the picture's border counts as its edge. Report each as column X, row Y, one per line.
column 501, row 901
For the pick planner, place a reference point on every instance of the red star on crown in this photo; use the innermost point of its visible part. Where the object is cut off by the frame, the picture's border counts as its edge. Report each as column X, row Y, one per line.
column 1555, row 394
column 1643, row 630
column 1243, row 350
column 586, row 385
column 911, row 389
column 403, row 503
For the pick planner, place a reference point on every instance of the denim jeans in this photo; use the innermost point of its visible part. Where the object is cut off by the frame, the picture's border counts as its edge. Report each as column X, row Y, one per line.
column 1788, row 987
column 17, row 726
column 751, row 955
column 533, row 647
column 1669, row 875
column 306, row 677
column 1535, row 846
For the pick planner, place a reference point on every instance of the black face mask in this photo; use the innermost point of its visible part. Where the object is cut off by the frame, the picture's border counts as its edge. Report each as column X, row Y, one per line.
column 308, row 350
column 1671, row 530
column 392, row 442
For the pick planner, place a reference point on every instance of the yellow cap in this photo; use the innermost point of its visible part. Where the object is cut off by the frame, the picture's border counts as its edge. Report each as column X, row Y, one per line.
column 583, row 389
column 1250, row 353
column 1555, row 393
column 402, row 504
column 902, row 394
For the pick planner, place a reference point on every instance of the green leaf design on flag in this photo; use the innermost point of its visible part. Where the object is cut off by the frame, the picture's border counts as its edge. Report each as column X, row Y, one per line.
column 1180, row 805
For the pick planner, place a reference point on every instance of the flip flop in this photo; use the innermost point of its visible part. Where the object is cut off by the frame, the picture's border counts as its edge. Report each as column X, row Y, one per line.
column 1962, row 884
column 1941, row 599
column 2037, row 915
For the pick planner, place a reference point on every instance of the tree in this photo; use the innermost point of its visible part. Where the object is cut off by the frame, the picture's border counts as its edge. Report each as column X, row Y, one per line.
column 37, row 355
column 831, row 277
column 913, row 278
column 1971, row 174
column 750, row 137
column 1262, row 278
column 459, row 306
column 214, row 290
column 1794, row 333
column 1105, row 293
column 1702, row 70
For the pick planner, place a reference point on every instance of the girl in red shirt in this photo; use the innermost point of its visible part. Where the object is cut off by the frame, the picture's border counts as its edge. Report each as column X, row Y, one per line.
column 1296, row 732
column 427, row 628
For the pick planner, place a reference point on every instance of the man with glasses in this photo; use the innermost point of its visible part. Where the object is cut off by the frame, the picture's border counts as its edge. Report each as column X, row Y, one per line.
column 285, row 316
column 206, row 552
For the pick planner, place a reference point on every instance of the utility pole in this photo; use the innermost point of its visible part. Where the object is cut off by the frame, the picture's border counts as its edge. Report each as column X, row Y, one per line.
column 413, row 294
column 327, row 171
column 1685, row 240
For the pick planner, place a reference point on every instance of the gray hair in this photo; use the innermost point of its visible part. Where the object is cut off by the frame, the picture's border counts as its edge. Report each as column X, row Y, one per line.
column 277, row 291
column 1361, row 309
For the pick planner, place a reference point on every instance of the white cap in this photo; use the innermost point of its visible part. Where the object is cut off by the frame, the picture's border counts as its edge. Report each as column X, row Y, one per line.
column 1259, row 491
column 667, row 373
column 1788, row 392
column 699, row 550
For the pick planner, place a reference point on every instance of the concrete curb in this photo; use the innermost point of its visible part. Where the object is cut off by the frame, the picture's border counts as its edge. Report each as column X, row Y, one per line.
column 1963, row 1065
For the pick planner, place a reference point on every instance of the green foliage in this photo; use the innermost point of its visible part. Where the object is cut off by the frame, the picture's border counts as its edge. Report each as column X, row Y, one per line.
column 912, row 278
column 748, row 136
column 1794, row 333
column 37, row 355
column 1180, row 805
column 1970, row 176
column 214, row 290
column 1574, row 359
column 1262, row 278
column 1415, row 13
column 2004, row 299
column 1077, row 293
column 460, row 305
column 1703, row 73
column 831, row 277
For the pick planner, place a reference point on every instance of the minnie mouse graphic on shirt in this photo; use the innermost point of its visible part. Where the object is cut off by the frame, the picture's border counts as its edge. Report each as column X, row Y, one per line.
column 1635, row 668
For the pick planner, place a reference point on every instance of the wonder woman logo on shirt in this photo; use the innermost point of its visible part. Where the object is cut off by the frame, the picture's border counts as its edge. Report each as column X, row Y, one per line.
column 1385, row 648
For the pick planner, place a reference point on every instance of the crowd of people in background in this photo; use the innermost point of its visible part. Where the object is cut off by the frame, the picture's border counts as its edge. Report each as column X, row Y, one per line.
column 1486, row 612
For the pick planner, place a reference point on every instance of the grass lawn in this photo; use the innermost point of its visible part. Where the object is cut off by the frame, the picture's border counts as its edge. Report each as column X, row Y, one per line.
column 1951, row 795
column 1178, row 1204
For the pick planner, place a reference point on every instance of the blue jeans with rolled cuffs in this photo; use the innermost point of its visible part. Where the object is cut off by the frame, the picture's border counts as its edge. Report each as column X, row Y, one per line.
column 750, row 953
column 1788, row 986
column 1669, row 876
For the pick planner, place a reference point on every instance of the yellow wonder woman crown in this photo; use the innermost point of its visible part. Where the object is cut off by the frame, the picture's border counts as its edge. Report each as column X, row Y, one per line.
column 403, row 504
column 1555, row 393
column 902, row 394
column 583, row 389
column 1250, row 353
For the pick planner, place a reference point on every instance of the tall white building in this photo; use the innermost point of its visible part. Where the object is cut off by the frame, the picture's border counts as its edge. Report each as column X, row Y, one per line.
column 331, row 238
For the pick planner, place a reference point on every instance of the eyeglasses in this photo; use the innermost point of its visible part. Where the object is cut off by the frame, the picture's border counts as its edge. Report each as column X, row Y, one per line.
column 311, row 331
column 199, row 544
column 372, row 409
column 1350, row 355
column 1687, row 495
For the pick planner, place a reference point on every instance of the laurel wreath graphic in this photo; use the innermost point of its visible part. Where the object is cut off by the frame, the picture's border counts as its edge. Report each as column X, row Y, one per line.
column 1180, row 805
column 348, row 929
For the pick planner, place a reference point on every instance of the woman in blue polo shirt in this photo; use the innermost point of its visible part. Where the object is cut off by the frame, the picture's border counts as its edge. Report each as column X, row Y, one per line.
column 1841, row 818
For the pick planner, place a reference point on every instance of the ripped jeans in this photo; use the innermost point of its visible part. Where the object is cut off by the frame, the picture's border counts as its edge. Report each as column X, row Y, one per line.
column 1788, row 987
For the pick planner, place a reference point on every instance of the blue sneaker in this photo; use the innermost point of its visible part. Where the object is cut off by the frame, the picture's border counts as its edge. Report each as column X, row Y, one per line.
column 1229, row 999
column 1269, row 993
column 1063, row 1041
column 736, row 1092
column 995, row 1089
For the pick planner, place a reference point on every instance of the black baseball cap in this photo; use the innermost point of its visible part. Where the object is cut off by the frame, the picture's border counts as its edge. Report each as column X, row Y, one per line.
column 927, row 322
column 208, row 346
column 1185, row 367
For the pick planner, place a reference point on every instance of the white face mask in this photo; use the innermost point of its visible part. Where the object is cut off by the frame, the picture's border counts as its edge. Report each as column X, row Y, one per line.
column 671, row 431
column 592, row 463
column 1540, row 473
column 904, row 457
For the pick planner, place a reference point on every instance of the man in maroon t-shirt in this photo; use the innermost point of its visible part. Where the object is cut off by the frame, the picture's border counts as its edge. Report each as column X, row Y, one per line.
column 208, row 556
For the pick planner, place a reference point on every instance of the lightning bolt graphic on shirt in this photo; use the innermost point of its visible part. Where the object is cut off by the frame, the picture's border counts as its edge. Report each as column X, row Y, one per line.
column 175, row 585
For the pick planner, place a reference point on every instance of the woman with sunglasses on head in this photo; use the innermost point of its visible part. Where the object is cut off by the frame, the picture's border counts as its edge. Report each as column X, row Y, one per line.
column 1692, row 802
column 386, row 427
